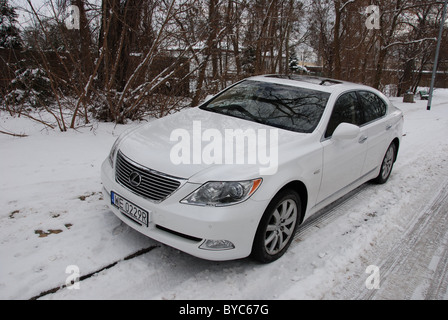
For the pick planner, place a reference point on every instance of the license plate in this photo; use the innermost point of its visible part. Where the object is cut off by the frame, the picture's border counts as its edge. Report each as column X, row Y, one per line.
column 130, row 210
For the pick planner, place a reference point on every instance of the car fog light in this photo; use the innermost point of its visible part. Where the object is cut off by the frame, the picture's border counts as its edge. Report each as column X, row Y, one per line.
column 217, row 245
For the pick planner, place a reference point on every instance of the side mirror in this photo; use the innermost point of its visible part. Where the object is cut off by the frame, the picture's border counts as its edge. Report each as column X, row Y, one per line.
column 346, row 131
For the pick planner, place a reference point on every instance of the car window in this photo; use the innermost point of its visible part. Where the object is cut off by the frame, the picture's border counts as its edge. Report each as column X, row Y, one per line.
column 372, row 106
column 346, row 109
column 281, row 106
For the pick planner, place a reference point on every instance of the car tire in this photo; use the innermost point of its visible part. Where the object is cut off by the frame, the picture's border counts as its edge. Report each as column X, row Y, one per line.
column 387, row 165
column 277, row 227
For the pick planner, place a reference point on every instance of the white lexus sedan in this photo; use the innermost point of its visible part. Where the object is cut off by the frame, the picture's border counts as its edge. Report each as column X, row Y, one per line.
column 236, row 176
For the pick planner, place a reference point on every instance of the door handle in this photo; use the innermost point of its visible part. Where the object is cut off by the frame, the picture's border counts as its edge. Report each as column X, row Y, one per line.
column 363, row 139
column 388, row 127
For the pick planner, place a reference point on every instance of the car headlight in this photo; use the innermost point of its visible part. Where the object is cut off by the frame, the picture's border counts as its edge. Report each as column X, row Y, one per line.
column 114, row 150
column 221, row 194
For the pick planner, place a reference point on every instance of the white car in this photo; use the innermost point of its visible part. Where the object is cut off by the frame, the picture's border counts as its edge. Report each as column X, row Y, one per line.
column 236, row 176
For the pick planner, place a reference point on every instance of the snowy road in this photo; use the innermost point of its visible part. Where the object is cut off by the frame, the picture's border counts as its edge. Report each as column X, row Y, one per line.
column 416, row 267
column 52, row 217
column 413, row 265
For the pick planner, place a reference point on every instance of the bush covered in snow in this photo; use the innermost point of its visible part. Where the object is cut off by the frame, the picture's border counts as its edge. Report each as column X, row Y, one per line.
column 31, row 87
column 9, row 34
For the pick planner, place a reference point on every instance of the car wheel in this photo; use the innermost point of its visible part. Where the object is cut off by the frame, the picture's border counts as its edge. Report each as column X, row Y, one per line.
column 277, row 227
column 387, row 165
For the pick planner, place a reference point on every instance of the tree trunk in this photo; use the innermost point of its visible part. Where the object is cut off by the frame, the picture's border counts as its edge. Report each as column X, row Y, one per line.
column 336, row 41
column 86, row 39
column 379, row 69
column 213, row 43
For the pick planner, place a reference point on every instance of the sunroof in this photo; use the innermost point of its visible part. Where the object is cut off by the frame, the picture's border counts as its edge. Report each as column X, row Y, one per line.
column 309, row 79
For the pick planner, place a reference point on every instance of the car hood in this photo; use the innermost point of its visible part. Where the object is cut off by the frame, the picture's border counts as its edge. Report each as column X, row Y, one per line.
column 180, row 145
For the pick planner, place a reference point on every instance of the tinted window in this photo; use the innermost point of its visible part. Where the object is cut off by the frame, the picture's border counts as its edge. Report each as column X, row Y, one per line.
column 373, row 107
column 346, row 110
column 280, row 106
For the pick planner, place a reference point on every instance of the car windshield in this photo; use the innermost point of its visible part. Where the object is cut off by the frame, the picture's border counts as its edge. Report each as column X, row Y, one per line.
column 281, row 106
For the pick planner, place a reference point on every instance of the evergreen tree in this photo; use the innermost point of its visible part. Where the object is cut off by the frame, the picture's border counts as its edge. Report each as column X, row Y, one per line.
column 9, row 33
column 293, row 60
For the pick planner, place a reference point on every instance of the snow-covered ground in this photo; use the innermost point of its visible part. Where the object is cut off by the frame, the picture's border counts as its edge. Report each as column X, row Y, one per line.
column 54, row 224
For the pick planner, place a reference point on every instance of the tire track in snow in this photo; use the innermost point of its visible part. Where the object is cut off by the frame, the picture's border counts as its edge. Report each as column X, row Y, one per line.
column 331, row 212
column 416, row 266
column 87, row 276
column 438, row 290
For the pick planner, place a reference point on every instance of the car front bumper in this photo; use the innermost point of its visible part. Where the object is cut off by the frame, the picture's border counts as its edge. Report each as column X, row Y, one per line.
column 192, row 228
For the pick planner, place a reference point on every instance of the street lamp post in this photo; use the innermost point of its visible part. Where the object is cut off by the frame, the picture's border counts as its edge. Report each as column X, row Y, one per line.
column 434, row 72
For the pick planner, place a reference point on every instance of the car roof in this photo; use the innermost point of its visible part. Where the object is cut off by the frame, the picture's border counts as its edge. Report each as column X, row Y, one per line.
column 312, row 82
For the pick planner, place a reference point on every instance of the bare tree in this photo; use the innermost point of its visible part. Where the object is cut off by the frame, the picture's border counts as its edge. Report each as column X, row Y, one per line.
column 131, row 58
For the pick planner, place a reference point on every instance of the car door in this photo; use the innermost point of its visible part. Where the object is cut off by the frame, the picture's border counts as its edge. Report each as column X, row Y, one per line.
column 343, row 159
column 375, row 125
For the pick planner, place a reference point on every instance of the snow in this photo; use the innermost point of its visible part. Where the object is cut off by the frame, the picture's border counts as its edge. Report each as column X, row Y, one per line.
column 52, row 217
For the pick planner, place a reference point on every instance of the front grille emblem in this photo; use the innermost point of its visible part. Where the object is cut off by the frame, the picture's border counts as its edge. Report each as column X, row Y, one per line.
column 145, row 182
column 135, row 179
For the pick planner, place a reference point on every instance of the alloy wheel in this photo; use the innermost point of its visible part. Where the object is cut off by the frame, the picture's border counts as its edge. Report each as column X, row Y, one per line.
column 281, row 226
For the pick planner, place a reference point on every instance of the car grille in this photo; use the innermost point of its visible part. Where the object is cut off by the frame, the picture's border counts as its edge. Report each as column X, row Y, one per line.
column 154, row 186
